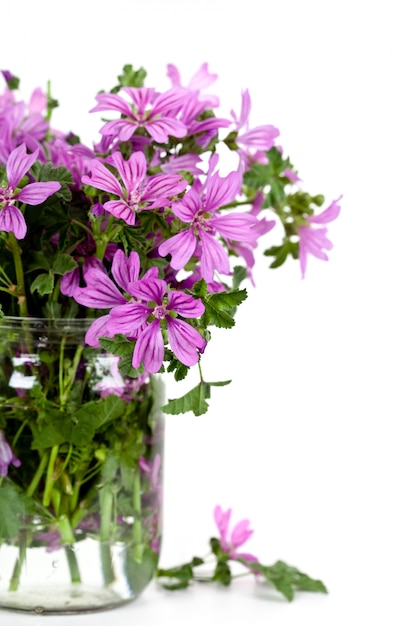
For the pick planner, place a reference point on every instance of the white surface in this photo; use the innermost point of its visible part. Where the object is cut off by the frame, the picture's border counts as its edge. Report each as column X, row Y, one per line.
column 314, row 439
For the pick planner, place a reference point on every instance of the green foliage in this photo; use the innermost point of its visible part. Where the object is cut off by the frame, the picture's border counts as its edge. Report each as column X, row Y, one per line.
column 43, row 284
column 280, row 253
column 221, row 307
column 130, row 78
column 180, row 577
column 285, row 578
column 13, row 504
column 122, row 347
column 271, row 177
column 45, row 172
column 194, row 400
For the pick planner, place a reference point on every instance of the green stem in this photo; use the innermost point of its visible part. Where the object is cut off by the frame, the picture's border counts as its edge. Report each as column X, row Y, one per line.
column 50, row 478
column 73, row 564
column 67, row 536
column 137, row 524
column 17, row 435
column 106, row 508
column 20, row 280
column 38, row 475
column 17, row 570
column 66, row 383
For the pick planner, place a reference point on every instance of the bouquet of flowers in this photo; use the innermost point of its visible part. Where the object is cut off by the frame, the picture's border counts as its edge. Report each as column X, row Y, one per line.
column 147, row 243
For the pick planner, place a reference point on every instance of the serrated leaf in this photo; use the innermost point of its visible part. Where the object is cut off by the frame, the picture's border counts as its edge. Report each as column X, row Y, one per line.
column 239, row 275
column 222, row 573
column 102, row 411
column 285, row 578
column 194, row 400
column 279, row 252
column 123, row 347
column 63, row 264
column 43, row 284
column 51, row 433
column 45, row 172
column 220, row 308
column 13, row 505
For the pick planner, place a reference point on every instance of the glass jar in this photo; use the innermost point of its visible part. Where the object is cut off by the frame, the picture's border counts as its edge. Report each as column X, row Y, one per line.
column 81, row 450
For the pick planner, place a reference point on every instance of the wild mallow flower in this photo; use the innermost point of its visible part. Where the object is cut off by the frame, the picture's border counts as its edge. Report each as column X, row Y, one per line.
column 156, row 112
column 140, row 192
column 7, row 456
column 200, row 211
column 198, row 82
column 313, row 240
column 231, row 540
column 102, row 293
column 153, row 309
column 18, row 164
column 252, row 143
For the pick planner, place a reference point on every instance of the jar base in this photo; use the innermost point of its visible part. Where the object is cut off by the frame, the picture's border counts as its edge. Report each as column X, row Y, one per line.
column 65, row 600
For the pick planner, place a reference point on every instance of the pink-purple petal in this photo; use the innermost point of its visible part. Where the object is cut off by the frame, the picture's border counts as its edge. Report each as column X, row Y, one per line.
column 12, row 220
column 185, row 341
column 35, row 193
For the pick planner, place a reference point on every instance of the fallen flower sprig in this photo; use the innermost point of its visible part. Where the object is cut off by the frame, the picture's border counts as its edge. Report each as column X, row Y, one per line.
column 286, row 579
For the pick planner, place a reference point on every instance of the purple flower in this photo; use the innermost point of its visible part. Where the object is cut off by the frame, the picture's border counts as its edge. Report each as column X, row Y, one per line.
column 154, row 112
column 139, row 192
column 231, row 540
column 18, row 164
column 199, row 210
column 313, row 240
column 102, row 293
column 143, row 319
column 252, row 142
column 199, row 81
column 7, row 456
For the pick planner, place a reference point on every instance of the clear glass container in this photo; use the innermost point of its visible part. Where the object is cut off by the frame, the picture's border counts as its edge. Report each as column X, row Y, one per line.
column 81, row 451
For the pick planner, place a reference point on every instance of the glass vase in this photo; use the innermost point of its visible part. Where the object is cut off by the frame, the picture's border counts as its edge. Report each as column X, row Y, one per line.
column 81, row 450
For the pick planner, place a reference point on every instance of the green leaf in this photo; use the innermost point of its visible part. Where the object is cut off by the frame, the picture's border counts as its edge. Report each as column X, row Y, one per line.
column 43, row 284
column 140, row 573
column 131, row 77
column 194, row 400
column 239, row 275
column 103, row 411
column 13, row 505
column 51, row 433
column 285, row 578
column 220, row 308
column 180, row 370
column 222, row 573
column 63, row 264
column 181, row 576
column 45, row 172
column 123, row 347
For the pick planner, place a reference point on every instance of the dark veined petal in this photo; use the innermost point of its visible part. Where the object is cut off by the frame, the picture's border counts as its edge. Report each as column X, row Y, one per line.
column 162, row 127
column 213, row 257
column 181, row 247
column 121, row 210
column 132, row 171
column 100, row 293
column 149, row 348
column 18, row 163
column 35, row 193
column 125, row 269
column 184, row 304
column 148, row 290
column 185, row 341
column 12, row 220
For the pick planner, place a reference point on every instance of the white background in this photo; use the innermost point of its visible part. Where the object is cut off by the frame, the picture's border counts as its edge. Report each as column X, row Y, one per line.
column 313, row 440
